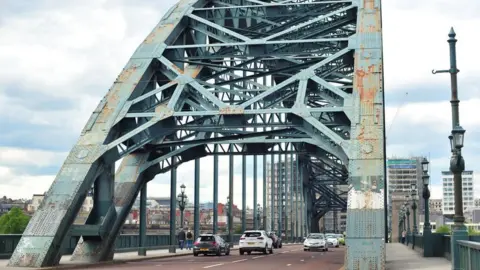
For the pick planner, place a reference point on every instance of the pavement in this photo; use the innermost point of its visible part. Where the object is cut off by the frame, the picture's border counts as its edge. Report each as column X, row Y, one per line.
column 288, row 257
column 401, row 257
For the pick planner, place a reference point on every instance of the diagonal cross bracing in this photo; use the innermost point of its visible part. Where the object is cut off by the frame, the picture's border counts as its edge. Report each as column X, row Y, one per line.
column 250, row 78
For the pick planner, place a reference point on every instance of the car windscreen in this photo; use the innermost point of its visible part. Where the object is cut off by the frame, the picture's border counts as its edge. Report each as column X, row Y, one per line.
column 315, row 237
column 253, row 234
column 207, row 238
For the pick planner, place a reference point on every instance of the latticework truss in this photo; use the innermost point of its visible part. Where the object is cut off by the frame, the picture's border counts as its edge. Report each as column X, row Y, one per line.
column 247, row 77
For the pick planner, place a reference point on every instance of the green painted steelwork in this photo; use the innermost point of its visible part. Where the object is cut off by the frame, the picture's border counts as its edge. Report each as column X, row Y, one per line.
column 123, row 243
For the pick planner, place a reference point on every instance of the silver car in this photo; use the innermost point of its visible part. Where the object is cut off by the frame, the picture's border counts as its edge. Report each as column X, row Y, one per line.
column 315, row 241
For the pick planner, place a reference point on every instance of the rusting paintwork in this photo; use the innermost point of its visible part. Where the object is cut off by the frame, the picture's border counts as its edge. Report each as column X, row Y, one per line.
column 366, row 217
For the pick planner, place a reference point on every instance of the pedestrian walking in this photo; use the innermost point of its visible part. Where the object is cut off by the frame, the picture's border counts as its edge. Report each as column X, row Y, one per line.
column 189, row 239
column 404, row 234
column 181, row 238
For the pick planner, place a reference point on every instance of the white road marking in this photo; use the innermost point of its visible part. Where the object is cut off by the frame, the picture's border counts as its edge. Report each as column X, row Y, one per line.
column 302, row 260
column 289, row 264
column 209, row 266
column 242, row 260
column 286, row 251
column 257, row 257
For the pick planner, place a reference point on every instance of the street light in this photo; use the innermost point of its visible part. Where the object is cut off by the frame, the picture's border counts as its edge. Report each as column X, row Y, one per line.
column 259, row 210
column 182, row 201
column 408, row 218
column 457, row 163
column 427, row 228
column 414, row 208
column 229, row 221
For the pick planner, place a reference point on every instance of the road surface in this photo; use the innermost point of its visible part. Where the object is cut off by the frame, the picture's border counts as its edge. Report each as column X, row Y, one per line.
column 288, row 257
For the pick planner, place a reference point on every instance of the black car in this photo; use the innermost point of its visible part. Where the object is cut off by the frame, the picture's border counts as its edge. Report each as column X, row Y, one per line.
column 277, row 241
column 210, row 244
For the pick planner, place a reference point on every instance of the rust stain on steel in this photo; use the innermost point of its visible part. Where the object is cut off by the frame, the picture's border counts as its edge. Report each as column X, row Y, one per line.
column 164, row 27
column 232, row 110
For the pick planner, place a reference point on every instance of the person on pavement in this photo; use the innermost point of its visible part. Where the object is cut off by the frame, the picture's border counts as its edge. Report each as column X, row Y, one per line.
column 189, row 239
column 181, row 238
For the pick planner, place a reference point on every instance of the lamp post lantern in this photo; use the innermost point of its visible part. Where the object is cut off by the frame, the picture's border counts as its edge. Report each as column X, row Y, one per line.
column 259, row 216
column 229, row 221
column 414, row 208
column 182, row 201
column 408, row 219
column 427, row 228
column 457, row 163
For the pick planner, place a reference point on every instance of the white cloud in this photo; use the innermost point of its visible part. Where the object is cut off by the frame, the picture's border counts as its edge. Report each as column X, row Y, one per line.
column 22, row 185
column 10, row 156
column 436, row 191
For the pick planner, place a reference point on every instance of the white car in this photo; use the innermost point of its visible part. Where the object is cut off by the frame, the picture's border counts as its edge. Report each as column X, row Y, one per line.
column 315, row 241
column 255, row 240
column 332, row 240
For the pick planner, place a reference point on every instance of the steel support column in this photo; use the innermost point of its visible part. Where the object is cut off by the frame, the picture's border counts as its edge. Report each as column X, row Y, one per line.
column 173, row 208
column 196, row 205
column 142, row 251
column 215, row 190
column 273, row 182
column 230, row 195
column 244, row 193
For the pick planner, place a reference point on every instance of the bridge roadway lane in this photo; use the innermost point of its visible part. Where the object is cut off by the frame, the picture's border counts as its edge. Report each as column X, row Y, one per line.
column 289, row 257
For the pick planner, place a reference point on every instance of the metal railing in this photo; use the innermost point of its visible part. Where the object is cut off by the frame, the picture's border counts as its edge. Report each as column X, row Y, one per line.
column 124, row 243
column 469, row 255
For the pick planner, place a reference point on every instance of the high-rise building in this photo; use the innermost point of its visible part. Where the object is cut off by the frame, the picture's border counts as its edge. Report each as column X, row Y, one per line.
column 448, row 207
column 401, row 174
column 280, row 183
column 435, row 206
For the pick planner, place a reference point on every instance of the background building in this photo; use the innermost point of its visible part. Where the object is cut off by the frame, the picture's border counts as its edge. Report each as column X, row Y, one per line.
column 448, row 207
column 401, row 174
column 281, row 183
column 435, row 206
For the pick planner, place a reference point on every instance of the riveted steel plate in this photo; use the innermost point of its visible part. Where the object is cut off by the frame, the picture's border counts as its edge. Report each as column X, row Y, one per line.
column 123, row 193
column 85, row 154
column 364, row 227
column 363, row 254
column 45, row 222
column 31, row 248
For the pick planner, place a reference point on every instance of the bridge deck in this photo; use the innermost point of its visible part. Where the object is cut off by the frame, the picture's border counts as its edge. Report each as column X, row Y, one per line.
column 402, row 257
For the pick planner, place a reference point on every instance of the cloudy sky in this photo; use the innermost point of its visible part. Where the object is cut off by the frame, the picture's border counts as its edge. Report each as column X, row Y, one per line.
column 60, row 57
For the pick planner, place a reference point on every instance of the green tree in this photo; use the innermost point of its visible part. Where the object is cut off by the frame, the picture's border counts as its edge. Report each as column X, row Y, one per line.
column 443, row 229
column 472, row 231
column 13, row 222
column 238, row 229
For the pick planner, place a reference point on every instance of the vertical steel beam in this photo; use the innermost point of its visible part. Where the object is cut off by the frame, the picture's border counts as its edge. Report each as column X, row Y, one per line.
column 244, row 192
column 302, row 197
column 366, row 214
column 272, row 192
column 230, row 195
column 280, row 194
column 255, row 183
column 285, row 194
column 173, row 207
column 142, row 251
column 196, row 206
column 215, row 189
column 297, row 197
column 292, row 194
column 264, row 191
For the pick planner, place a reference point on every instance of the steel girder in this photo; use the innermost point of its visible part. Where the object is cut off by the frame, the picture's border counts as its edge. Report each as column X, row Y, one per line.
column 306, row 73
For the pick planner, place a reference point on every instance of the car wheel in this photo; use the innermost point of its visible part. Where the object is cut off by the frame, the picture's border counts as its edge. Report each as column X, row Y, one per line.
column 305, row 249
column 241, row 252
column 219, row 252
column 271, row 250
column 280, row 245
column 249, row 252
column 265, row 250
column 326, row 249
column 227, row 252
column 195, row 254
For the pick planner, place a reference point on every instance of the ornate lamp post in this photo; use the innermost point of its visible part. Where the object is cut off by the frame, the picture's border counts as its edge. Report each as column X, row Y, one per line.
column 229, row 221
column 408, row 218
column 457, row 163
column 414, row 208
column 400, row 224
column 259, row 216
column 182, row 201
column 427, row 228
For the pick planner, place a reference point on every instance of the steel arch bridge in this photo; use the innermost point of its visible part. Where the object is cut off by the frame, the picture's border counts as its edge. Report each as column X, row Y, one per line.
column 235, row 77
